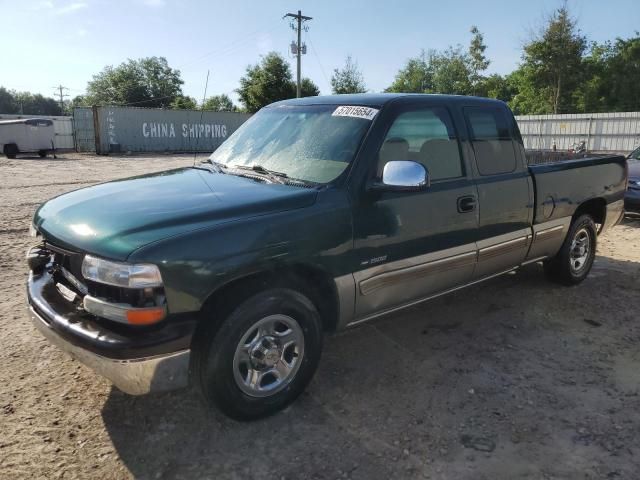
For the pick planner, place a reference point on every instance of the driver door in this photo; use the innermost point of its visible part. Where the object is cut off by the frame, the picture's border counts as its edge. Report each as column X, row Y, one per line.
column 411, row 245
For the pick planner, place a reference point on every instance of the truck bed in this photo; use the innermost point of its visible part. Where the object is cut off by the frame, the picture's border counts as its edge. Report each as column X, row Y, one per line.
column 560, row 186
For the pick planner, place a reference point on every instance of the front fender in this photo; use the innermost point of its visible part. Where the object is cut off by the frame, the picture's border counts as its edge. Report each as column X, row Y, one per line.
column 196, row 264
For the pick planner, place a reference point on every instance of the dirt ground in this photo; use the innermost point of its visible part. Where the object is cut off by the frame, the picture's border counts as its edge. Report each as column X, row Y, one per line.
column 513, row 378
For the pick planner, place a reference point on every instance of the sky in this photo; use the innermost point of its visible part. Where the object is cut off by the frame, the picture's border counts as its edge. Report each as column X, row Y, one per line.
column 46, row 43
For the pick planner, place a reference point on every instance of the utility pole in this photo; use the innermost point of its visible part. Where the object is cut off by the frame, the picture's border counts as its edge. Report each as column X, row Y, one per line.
column 60, row 93
column 299, row 47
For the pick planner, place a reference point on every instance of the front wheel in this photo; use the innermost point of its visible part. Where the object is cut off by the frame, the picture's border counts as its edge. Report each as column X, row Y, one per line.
column 263, row 355
column 11, row 150
column 573, row 262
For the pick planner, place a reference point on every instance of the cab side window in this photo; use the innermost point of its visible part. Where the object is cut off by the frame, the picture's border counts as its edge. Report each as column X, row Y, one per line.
column 491, row 140
column 426, row 136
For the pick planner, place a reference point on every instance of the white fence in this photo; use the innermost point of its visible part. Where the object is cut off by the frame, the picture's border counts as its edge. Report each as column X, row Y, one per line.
column 63, row 127
column 602, row 132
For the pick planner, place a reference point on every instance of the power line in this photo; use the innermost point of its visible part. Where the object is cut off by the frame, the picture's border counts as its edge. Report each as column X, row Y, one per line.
column 299, row 48
column 315, row 54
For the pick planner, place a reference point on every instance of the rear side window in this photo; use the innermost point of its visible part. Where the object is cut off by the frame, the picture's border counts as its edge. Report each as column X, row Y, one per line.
column 491, row 140
column 425, row 136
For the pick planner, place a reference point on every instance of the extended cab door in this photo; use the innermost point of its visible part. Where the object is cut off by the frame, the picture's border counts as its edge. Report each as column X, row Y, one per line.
column 504, row 188
column 410, row 245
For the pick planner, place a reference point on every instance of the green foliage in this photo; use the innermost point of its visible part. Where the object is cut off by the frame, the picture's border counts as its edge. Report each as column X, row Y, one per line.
column 147, row 82
column 77, row 101
column 612, row 77
column 7, row 101
column 526, row 98
column 416, row 76
column 220, row 103
column 307, row 88
column 552, row 63
column 27, row 103
column 494, row 86
column 478, row 62
column 559, row 72
column 270, row 81
column 452, row 71
column 184, row 102
column 349, row 79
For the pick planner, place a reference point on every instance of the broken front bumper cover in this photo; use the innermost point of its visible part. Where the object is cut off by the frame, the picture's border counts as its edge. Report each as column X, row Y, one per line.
column 135, row 362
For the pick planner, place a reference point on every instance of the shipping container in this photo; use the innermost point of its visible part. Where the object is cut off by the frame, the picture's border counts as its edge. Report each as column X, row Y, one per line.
column 130, row 129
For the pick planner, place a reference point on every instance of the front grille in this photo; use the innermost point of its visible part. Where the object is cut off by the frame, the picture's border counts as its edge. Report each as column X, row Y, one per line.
column 68, row 259
column 66, row 267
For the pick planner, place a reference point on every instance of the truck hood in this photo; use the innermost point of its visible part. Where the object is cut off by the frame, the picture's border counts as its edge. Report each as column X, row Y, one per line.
column 113, row 219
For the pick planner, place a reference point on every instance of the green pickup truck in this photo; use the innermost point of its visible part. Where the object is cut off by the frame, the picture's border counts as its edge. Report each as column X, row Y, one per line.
column 318, row 214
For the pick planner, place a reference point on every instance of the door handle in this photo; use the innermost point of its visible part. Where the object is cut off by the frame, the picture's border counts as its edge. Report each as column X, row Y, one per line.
column 467, row 204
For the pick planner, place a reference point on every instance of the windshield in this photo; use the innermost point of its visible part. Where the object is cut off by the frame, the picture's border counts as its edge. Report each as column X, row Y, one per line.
column 313, row 143
column 635, row 155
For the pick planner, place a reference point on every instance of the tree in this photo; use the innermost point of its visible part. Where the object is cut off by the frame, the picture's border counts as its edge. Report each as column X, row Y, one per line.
column 552, row 62
column 77, row 101
column 611, row 77
column 435, row 72
column 495, row 86
column 478, row 62
column 451, row 72
column 270, row 81
column 146, row 82
column 7, row 101
column 526, row 98
column 36, row 104
column 184, row 102
column 416, row 76
column 27, row 103
column 307, row 88
column 349, row 79
column 220, row 103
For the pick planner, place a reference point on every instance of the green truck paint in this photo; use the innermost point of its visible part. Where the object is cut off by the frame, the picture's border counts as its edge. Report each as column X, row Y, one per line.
column 367, row 249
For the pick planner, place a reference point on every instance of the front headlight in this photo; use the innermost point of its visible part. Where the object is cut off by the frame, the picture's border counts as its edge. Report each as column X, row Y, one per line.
column 121, row 274
column 32, row 230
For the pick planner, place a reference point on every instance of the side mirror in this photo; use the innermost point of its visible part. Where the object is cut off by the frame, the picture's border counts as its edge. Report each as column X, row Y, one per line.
column 403, row 175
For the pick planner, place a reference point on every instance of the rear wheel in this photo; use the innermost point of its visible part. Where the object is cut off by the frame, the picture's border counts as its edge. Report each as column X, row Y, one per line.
column 262, row 356
column 573, row 262
column 42, row 153
column 11, row 150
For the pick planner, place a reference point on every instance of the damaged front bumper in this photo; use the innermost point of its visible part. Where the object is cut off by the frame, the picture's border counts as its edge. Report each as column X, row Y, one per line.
column 136, row 360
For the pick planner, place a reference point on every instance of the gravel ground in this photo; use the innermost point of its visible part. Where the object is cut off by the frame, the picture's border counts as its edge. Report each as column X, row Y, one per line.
column 513, row 378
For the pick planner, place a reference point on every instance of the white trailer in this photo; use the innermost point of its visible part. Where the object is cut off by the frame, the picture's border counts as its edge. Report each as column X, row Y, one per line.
column 27, row 135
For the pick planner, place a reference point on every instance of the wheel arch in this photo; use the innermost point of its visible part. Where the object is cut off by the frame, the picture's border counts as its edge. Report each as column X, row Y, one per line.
column 10, row 148
column 596, row 208
column 312, row 281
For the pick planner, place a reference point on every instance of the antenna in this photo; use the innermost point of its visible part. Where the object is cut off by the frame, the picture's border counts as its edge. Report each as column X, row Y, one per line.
column 204, row 97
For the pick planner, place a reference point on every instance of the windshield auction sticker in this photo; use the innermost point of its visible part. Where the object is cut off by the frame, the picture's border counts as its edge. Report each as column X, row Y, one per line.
column 356, row 112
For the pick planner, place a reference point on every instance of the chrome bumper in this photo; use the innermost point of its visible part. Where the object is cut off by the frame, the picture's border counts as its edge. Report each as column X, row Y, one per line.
column 133, row 376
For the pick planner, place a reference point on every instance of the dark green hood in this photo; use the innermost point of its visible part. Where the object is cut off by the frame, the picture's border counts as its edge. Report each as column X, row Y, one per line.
column 114, row 219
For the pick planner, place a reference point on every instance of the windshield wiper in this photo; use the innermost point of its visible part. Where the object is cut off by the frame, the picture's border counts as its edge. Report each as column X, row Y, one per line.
column 210, row 166
column 261, row 169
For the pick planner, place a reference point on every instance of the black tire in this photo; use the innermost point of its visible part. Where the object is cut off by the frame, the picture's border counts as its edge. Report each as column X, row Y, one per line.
column 42, row 153
column 214, row 367
column 566, row 268
column 11, row 150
